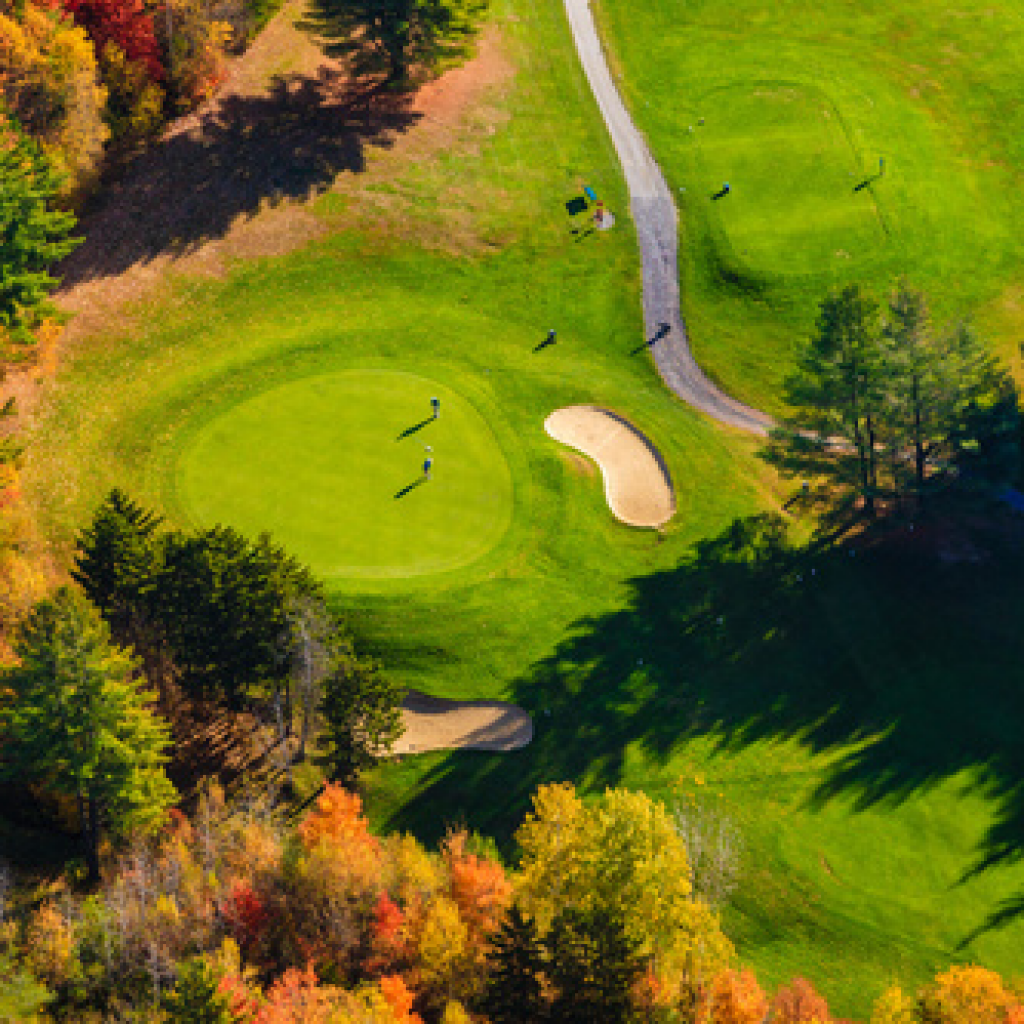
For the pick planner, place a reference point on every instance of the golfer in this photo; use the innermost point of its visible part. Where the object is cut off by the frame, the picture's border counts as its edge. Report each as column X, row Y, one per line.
column 435, row 404
column 551, row 336
column 427, row 463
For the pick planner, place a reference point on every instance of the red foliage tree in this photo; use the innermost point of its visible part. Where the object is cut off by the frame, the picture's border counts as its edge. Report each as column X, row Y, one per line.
column 246, row 915
column 124, row 23
column 387, row 942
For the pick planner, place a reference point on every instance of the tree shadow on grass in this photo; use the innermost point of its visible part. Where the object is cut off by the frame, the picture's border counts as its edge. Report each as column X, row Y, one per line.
column 190, row 187
column 898, row 654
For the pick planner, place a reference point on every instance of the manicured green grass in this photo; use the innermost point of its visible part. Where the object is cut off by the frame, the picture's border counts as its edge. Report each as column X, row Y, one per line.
column 859, row 722
column 934, row 90
column 797, row 189
column 333, row 466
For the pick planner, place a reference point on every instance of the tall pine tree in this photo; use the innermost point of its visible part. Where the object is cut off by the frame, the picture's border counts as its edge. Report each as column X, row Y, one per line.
column 516, row 966
column 74, row 718
column 392, row 37
column 33, row 235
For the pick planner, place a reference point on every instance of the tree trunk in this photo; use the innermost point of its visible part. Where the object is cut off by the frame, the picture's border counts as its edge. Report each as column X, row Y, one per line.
column 92, row 840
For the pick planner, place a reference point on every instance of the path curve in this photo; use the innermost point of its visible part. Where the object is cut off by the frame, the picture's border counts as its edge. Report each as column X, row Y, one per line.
column 637, row 484
column 437, row 723
column 654, row 213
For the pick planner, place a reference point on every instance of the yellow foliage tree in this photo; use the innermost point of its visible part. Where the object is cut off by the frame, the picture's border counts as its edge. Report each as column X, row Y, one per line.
column 50, row 946
column 969, row 995
column 893, row 1006
column 49, row 79
column 135, row 108
column 622, row 856
column 442, row 950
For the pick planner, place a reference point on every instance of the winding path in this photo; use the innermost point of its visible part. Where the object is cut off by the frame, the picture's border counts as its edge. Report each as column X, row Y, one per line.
column 654, row 214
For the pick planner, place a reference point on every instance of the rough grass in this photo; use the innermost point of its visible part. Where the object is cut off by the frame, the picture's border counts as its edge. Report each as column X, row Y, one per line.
column 931, row 88
column 858, row 721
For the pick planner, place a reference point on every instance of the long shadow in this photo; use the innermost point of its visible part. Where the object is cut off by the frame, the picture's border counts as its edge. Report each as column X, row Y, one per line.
column 860, row 186
column 192, row 186
column 661, row 332
column 409, row 488
column 898, row 655
column 415, row 428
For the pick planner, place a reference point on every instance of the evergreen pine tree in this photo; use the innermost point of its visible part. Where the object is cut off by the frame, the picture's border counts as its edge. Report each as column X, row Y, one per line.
column 74, row 718
column 391, row 37
column 33, row 235
column 117, row 562
column 593, row 966
column 516, row 966
column 361, row 715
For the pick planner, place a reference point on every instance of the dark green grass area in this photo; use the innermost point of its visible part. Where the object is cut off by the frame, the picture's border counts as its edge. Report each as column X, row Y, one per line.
column 334, row 467
column 934, row 91
column 856, row 716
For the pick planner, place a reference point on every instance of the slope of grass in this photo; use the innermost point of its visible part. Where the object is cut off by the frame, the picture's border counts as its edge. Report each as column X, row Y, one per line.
column 828, row 717
column 932, row 90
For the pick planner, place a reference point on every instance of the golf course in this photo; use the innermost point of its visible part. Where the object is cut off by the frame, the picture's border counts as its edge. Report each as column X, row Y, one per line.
column 853, row 709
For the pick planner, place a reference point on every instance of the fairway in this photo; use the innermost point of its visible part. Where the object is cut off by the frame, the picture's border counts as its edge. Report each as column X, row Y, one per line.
column 332, row 467
column 798, row 198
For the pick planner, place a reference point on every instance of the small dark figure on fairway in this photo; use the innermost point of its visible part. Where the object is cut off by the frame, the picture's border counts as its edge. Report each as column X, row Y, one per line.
column 551, row 336
column 435, row 404
column 725, row 187
column 427, row 463
column 881, row 166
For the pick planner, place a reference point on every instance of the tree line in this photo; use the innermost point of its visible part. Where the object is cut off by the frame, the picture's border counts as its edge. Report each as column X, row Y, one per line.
column 212, row 613
column 890, row 408
column 235, row 917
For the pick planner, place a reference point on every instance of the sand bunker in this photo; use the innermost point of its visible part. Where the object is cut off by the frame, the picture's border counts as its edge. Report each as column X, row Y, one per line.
column 433, row 723
column 637, row 484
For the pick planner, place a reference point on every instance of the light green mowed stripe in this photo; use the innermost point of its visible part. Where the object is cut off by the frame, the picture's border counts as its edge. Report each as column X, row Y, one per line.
column 332, row 467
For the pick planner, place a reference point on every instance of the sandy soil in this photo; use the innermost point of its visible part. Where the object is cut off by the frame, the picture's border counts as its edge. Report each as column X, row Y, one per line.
column 637, row 484
column 433, row 723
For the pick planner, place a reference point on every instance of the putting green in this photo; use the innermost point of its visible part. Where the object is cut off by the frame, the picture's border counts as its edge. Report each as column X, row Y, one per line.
column 799, row 201
column 332, row 467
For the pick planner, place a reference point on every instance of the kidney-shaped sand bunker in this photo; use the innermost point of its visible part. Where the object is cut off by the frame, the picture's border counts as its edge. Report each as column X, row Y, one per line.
column 637, row 484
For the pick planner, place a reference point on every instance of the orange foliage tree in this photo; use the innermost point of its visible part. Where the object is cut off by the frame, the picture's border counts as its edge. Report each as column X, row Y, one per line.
column 737, row 998
column 970, row 995
column 799, row 1003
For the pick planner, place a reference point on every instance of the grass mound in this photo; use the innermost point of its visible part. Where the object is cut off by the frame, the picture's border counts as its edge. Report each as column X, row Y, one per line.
column 332, row 466
column 799, row 198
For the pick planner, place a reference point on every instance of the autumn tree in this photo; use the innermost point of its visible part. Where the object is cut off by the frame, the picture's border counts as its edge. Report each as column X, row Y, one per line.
column 75, row 719
column 735, row 997
column 967, row 995
column 391, row 38
column 894, row 1006
column 33, row 234
column 799, row 1003
column 50, row 82
column 126, row 24
column 621, row 855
